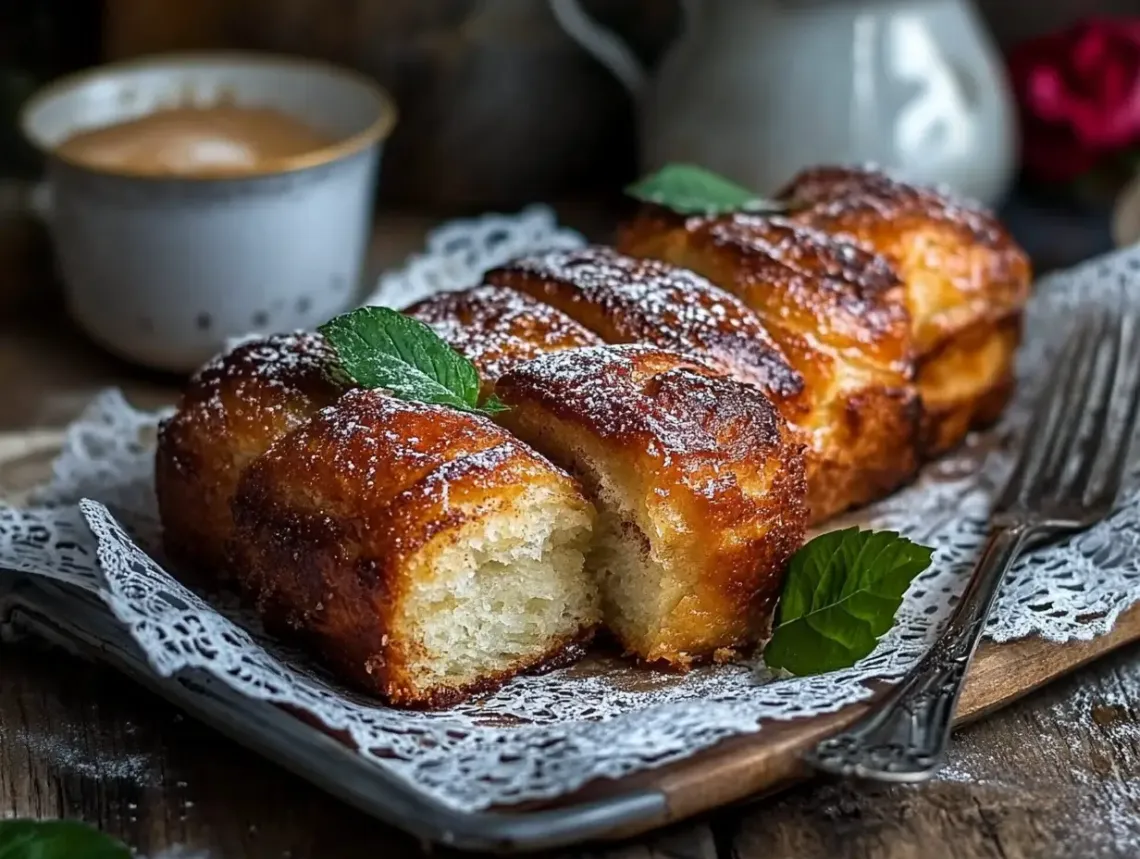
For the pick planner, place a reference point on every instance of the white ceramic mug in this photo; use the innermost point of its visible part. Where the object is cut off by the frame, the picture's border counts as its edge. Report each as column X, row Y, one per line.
column 163, row 270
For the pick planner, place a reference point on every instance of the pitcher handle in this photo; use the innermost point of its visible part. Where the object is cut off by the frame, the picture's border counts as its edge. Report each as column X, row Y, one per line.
column 602, row 43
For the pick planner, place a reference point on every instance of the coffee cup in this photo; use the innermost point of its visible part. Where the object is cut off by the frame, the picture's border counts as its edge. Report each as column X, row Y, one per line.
column 164, row 266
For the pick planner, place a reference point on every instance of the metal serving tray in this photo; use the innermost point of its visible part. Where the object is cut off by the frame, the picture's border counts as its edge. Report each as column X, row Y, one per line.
column 80, row 623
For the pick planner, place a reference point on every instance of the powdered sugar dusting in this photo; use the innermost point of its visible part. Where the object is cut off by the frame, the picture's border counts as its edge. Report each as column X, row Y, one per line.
column 605, row 387
column 846, row 287
column 652, row 401
column 836, row 193
column 497, row 328
column 67, row 750
column 268, row 375
column 629, row 300
column 378, row 447
column 270, row 357
column 179, row 851
column 1092, row 733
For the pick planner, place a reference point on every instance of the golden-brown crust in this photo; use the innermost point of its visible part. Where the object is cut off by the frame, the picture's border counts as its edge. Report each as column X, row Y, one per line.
column 837, row 312
column 865, row 195
column 326, row 505
column 339, row 519
column 964, row 278
column 979, row 361
column 710, row 460
column 800, row 279
column 862, row 432
column 497, row 328
column 630, row 300
column 959, row 263
column 232, row 410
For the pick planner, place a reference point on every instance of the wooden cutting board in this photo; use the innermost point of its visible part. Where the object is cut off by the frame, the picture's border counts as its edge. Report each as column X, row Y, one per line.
column 770, row 760
column 760, row 763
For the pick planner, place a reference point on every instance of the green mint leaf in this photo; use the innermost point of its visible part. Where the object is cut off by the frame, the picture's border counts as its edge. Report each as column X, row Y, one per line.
column 57, row 839
column 691, row 190
column 841, row 594
column 378, row 347
column 492, row 405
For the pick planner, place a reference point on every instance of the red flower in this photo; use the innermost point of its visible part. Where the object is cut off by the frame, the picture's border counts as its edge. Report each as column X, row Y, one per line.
column 1079, row 93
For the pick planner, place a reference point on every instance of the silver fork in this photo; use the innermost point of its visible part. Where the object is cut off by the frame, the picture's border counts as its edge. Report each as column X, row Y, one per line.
column 1067, row 478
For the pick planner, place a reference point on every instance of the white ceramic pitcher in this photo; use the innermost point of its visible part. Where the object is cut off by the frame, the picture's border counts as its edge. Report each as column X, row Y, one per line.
column 757, row 89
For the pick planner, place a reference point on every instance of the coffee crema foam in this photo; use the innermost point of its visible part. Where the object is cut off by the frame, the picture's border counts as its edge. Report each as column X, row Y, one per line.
column 196, row 141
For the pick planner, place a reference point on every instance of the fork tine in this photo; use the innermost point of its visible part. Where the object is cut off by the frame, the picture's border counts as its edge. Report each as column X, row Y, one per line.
column 1081, row 381
column 1099, row 400
column 1122, row 433
column 1049, row 411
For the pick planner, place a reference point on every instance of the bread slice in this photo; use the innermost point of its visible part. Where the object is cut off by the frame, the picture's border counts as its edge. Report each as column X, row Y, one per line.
column 699, row 484
column 422, row 551
column 838, row 314
column 497, row 328
column 231, row 411
column 967, row 283
column 629, row 300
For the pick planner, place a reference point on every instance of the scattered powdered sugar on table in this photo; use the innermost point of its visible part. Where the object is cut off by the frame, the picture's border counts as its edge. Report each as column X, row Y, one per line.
column 179, row 851
column 545, row 736
column 66, row 749
column 1092, row 732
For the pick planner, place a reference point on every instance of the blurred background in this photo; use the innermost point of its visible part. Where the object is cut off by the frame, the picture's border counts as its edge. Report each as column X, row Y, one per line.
column 1032, row 106
column 498, row 105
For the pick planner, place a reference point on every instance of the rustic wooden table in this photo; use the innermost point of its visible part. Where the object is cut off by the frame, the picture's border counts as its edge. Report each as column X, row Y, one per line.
column 1056, row 775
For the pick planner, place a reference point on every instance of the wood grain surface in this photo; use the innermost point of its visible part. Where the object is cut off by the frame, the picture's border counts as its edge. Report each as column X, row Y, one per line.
column 1057, row 775
column 1054, row 775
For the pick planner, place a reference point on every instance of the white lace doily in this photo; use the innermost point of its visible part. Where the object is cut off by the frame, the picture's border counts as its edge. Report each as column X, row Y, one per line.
column 543, row 736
